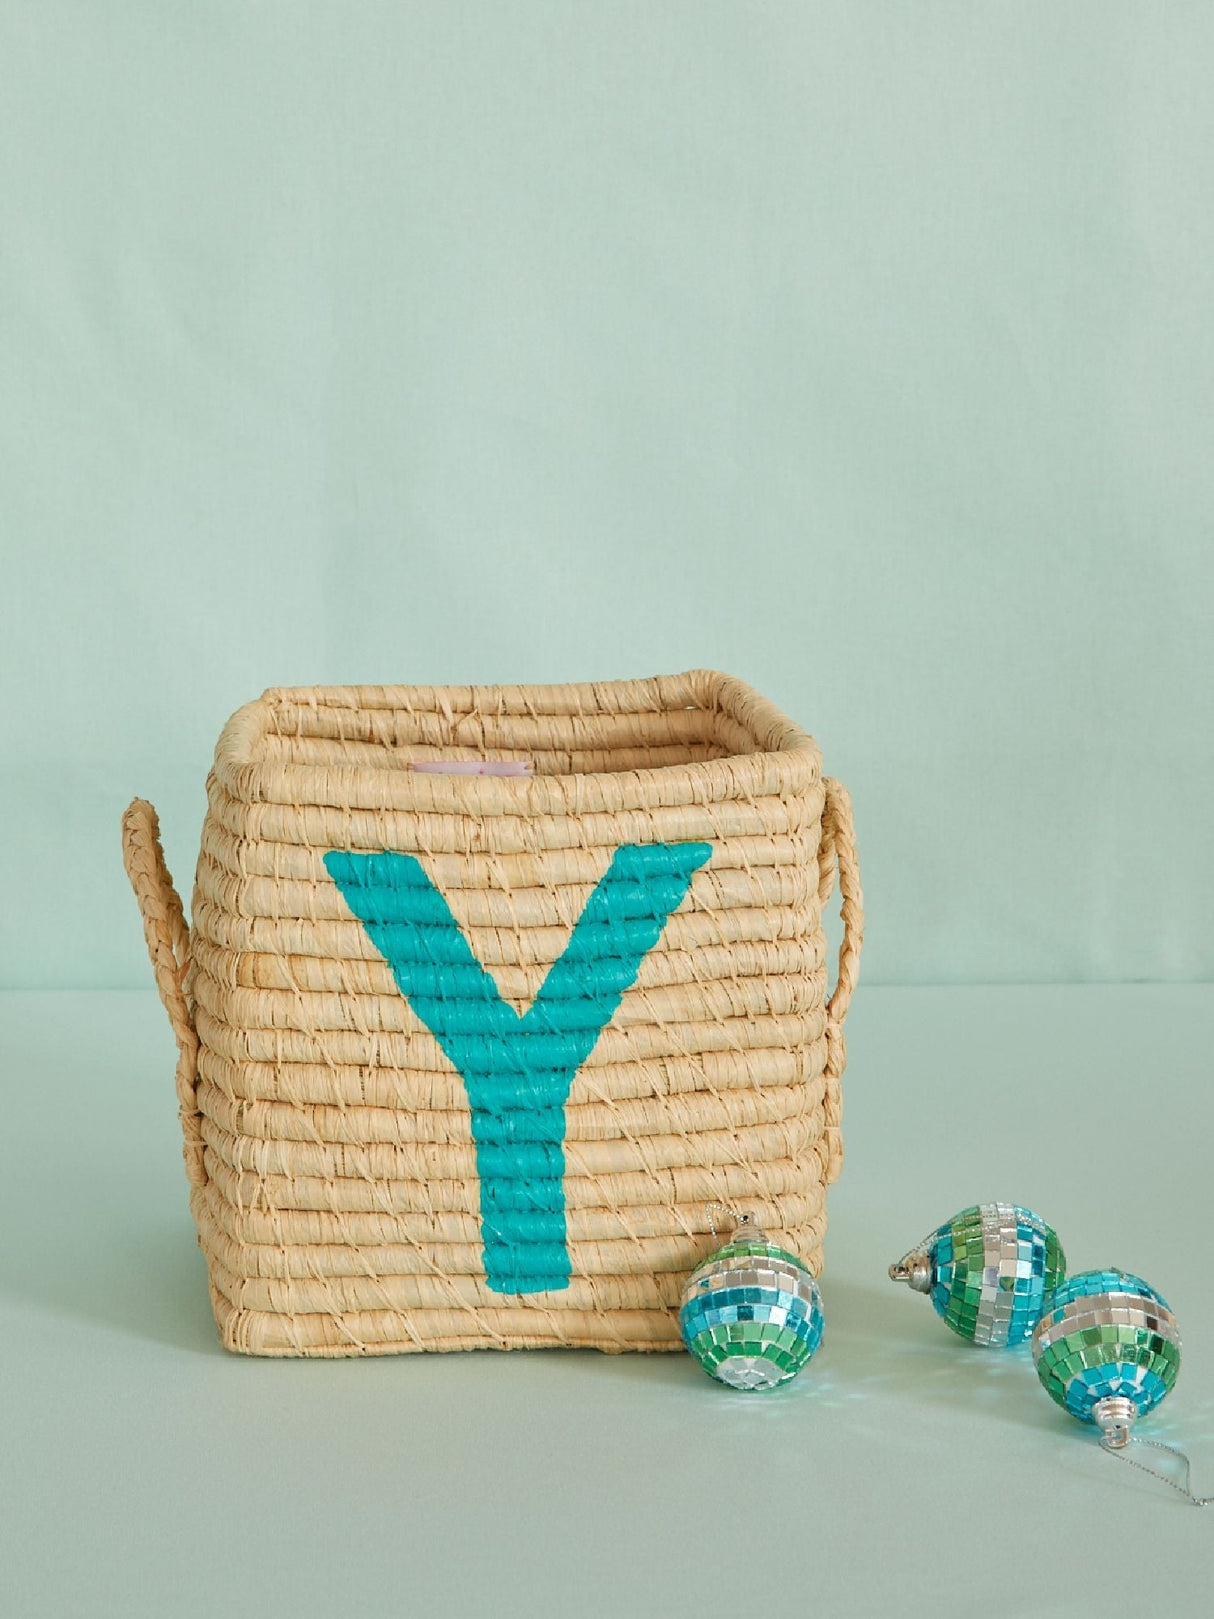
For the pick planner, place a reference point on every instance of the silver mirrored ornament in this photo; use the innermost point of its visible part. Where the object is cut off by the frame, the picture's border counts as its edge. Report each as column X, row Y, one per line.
column 988, row 1271
column 1108, row 1351
column 751, row 1312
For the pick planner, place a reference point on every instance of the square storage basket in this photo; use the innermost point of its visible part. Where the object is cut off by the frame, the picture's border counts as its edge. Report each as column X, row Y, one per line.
column 463, row 1058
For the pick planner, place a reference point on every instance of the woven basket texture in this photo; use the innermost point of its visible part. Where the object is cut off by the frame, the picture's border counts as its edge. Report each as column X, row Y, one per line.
column 462, row 1060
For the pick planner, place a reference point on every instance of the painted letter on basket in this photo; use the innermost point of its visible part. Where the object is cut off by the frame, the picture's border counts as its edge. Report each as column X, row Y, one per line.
column 517, row 1070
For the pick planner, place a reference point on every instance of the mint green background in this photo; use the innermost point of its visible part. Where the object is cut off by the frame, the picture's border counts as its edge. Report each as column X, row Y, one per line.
column 864, row 351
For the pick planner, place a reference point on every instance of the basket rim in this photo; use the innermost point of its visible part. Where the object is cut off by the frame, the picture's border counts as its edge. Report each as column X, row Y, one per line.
column 786, row 759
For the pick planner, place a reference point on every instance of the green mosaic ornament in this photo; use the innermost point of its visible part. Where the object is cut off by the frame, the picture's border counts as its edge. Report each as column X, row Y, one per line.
column 751, row 1313
column 1107, row 1336
column 989, row 1272
column 1107, row 1350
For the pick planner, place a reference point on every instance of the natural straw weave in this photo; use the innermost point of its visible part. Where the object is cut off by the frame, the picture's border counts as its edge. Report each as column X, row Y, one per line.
column 328, row 1138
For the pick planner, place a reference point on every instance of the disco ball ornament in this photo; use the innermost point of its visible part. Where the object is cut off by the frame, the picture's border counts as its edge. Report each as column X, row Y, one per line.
column 1107, row 1350
column 989, row 1271
column 751, row 1313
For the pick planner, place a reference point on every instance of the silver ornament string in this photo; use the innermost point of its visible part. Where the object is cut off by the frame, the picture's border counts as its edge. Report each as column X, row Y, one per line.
column 905, row 1271
column 914, row 1253
column 724, row 1208
column 1181, row 1486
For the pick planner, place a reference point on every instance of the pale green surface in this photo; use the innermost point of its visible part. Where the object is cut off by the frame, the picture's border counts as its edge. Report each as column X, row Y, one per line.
column 145, row 1472
column 863, row 351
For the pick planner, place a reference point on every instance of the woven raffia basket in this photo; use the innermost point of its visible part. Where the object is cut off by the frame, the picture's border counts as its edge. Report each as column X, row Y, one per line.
column 462, row 1059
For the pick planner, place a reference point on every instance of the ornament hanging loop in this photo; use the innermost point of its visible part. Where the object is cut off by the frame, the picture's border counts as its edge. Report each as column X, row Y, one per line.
column 1182, row 1485
column 744, row 1223
column 713, row 1209
column 1115, row 1416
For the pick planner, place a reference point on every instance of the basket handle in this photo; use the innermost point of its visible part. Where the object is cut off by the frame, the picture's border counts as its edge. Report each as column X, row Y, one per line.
column 168, row 942
column 837, row 852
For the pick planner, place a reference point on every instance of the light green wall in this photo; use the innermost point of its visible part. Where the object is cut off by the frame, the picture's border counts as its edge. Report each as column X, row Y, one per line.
column 864, row 351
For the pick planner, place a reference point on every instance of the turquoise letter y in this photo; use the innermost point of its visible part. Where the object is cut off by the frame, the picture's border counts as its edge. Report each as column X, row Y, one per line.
column 516, row 1070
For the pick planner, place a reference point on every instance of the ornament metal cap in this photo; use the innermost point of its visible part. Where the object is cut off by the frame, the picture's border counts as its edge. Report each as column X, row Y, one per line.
column 1115, row 1416
column 915, row 1270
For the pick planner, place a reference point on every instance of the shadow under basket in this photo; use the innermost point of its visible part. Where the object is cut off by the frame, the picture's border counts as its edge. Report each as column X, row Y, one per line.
column 463, row 1058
